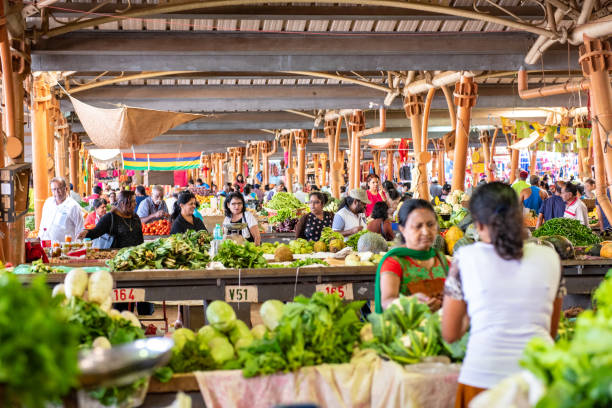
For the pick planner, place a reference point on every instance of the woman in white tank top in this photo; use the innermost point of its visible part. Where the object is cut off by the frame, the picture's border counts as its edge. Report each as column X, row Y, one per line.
column 507, row 291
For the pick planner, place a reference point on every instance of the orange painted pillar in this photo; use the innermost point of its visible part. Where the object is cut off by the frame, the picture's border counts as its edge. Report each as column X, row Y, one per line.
column 389, row 172
column 485, row 141
column 514, row 161
column 413, row 107
column 301, row 141
column 465, row 98
column 74, row 144
column 40, row 138
column 596, row 61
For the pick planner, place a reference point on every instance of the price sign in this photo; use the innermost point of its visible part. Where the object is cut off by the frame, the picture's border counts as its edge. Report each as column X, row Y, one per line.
column 247, row 294
column 128, row 295
column 345, row 291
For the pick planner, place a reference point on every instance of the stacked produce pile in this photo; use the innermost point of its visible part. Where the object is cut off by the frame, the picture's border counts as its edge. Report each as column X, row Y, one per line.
column 577, row 372
column 308, row 331
column 573, row 230
column 233, row 255
column 284, row 208
column 179, row 251
column 452, row 211
column 407, row 332
column 98, row 325
column 159, row 227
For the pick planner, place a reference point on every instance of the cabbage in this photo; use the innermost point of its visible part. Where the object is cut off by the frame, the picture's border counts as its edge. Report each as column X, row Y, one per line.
column 181, row 336
column 271, row 312
column 259, row 331
column 221, row 350
column 243, row 342
column 207, row 333
column 240, row 331
column 221, row 316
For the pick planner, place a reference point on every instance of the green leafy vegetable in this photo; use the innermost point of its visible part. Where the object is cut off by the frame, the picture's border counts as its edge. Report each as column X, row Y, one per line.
column 233, row 255
column 38, row 349
column 571, row 229
column 283, row 201
column 327, row 235
column 577, row 372
column 354, row 239
column 312, row 331
column 179, row 251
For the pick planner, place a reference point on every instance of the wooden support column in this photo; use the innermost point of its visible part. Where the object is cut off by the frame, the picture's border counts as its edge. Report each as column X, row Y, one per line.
column 269, row 149
column 533, row 167
column 286, row 143
column 301, row 140
column 440, row 163
column 356, row 124
column 485, row 141
column 241, row 153
column 90, row 179
column 251, row 154
column 465, row 95
column 596, row 61
column 333, row 128
column 413, row 106
column 514, row 161
column 74, row 144
column 322, row 179
column 389, row 172
column 583, row 152
column 41, row 97
column 316, row 166
column 376, row 161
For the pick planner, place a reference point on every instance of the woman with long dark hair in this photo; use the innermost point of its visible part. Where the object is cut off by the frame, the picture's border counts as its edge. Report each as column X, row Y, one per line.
column 121, row 223
column 183, row 218
column 416, row 268
column 510, row 292
column 380, row 222
column 311, row 225
column 235, row 212
column 375, row 193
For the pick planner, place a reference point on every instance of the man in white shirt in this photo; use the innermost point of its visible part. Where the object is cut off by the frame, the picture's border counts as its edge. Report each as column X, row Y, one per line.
column 574, row 207
column 299, row 193
column 61, row 215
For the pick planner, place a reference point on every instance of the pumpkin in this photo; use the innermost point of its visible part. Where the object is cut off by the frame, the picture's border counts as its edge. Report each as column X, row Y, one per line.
column 606, row 251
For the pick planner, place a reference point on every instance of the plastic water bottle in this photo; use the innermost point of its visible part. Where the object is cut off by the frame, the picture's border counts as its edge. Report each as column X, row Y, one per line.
column 217, row 233
column 216, row 242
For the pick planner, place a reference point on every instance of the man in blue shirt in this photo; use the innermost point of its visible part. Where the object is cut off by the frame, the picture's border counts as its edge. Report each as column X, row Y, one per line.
column 553, row 206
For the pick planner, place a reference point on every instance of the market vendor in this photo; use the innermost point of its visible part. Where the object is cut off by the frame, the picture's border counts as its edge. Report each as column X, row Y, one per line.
column 416, row 268
column 121, row 223
column 508, row 291
column 99, row 209
column 153, row 208
column 183, row 217
column 311, row 225
column 521, row 183
column 350, row 218
column 61, row 215
column 240, row 182
column 380, row 223
column 375, row 193
column 235, row 212
column 574, row 207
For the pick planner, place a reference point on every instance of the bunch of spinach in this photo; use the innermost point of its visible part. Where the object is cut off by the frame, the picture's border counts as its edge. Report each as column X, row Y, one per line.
column 38, row 349
column 317, row 330
column 233, row 255
column 578, row 371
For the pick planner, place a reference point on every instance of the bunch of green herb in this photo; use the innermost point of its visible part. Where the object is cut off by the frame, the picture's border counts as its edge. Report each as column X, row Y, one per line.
column 282, row 200
column 38, row 266
column 312, row 331
column 577, row 372
column 38, row 349
column 354, row 239
column 233, row 255
column 306, row 262
column 573, row 230
column 282, row 215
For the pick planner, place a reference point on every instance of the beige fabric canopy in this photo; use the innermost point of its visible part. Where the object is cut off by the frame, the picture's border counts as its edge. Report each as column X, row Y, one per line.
column 121, row 128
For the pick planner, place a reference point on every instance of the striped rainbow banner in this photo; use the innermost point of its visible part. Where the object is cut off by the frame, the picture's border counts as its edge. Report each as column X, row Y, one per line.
column 161, row 161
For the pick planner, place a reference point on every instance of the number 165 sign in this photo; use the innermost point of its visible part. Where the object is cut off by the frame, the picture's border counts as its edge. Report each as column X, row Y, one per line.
column 345, row 291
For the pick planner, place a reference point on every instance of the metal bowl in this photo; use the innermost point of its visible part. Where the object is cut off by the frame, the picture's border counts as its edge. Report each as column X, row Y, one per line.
column 123, row 364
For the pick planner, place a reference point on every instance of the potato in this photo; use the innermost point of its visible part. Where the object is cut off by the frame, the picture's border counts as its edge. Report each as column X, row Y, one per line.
column 75, row 283
column 100, row 286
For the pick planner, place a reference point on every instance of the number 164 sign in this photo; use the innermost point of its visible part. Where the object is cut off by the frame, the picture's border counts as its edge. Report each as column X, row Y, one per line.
column 128, row 295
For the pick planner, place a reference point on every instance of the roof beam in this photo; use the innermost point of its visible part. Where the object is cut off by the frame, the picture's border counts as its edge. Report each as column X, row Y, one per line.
column 275, row 98
column 296, row 12
column 235, row 52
